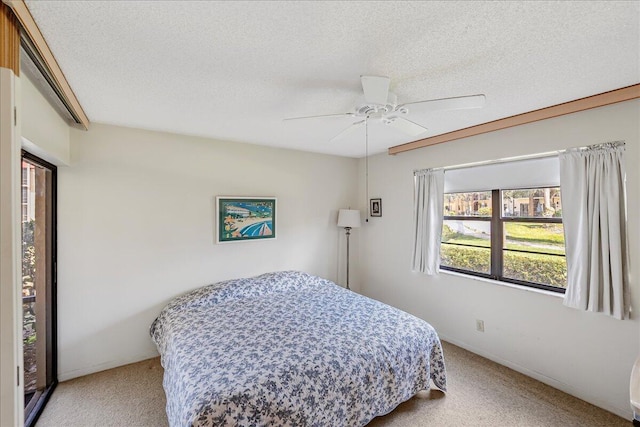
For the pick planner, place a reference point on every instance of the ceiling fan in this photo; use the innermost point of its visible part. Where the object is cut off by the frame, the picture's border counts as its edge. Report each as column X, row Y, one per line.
column 379, row 103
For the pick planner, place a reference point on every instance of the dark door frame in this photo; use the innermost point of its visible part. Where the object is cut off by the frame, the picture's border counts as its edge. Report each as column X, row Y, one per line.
column 36, row 406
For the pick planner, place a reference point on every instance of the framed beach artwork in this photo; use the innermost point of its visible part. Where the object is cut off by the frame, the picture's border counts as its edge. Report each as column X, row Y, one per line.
column 241, row 219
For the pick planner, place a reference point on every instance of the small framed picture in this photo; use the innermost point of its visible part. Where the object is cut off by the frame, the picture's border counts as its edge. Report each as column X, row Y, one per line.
column 241, row 219
column 375, row 207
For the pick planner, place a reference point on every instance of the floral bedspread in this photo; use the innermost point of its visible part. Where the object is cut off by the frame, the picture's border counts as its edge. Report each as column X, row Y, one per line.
column 288, row 348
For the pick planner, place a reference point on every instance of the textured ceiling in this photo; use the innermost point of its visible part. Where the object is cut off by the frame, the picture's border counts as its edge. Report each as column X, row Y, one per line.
column 234, row 70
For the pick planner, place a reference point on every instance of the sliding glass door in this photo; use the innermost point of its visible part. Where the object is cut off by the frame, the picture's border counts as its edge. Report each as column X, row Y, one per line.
column 38, row 282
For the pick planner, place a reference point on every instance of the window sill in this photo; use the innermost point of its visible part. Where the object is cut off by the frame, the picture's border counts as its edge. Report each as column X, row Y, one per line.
column 500, row 283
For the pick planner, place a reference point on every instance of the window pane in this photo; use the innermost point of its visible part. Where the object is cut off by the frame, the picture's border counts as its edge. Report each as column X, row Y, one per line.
column 531, row 203
column 467, row 232
column 534, row 237
column 544, row 269
column 466, row 258
column 466, row 245
column 468, row 204
column 37, row 280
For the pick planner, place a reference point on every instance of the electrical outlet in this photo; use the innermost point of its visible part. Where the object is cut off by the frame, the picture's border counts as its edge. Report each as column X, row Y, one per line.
column 479, row 325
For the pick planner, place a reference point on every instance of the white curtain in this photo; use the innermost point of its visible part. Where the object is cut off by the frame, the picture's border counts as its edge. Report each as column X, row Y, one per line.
column 592, row 182
column 427, row 217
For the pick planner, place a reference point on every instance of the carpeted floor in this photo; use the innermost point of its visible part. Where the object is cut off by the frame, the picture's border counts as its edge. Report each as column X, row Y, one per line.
column 481, row 393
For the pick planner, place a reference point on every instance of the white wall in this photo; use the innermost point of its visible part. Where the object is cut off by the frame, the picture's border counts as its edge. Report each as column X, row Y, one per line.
column 588, row 355
column 44, row 132
column 136, row 228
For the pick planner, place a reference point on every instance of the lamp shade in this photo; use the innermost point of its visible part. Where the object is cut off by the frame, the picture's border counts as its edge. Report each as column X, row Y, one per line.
column 349, row 218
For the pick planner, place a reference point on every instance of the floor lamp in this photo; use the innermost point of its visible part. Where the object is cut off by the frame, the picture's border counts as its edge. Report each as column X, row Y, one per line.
column 348, row 218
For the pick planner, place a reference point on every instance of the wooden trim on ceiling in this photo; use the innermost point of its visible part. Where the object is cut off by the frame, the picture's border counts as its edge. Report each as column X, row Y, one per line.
column 33, row 33
column 9, row 40
column 595, row 101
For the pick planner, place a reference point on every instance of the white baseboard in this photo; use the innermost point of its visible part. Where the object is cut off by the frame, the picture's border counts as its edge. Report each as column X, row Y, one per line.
column 69, row 375
column 625, row 413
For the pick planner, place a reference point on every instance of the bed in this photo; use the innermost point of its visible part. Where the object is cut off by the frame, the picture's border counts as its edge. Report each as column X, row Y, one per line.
column 289, row 348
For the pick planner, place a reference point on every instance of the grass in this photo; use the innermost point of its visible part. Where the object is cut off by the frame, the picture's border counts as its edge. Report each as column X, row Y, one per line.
column 548, row 238
column 468, row 240
column 536, row 233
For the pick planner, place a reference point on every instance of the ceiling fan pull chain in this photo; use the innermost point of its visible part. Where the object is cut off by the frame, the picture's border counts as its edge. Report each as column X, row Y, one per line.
column 366, row 164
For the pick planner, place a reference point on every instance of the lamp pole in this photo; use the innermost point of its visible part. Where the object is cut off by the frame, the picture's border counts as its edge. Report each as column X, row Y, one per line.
column 348, row 219
column 348, row 230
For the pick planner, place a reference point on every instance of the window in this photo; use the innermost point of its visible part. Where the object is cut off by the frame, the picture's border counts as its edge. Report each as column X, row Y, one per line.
column 466, row 232
column 511, row 235
column 38, row 284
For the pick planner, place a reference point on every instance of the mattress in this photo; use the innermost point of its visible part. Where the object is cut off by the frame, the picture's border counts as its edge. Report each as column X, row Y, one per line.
column 289, row 348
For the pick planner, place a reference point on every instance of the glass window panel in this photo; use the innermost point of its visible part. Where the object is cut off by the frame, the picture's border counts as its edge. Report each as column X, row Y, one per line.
column 534, row 237
column 37, row 280
column 29, row 266
column 466, row 245
column 532, row 203
column 467, row 232
column 468, row 204
column 537, row 268
column 466, row 258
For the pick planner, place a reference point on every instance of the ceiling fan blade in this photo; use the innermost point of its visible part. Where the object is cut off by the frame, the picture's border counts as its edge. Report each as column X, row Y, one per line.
column 406, row 126
column 321, row 116
column 376, row 89
column 347, row 131
column 457, row 103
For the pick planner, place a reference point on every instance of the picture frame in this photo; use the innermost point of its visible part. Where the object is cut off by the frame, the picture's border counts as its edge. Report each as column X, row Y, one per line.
column 375, row 207
column 242, row 219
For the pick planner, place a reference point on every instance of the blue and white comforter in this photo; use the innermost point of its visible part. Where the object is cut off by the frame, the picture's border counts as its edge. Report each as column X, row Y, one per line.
column 288, row 348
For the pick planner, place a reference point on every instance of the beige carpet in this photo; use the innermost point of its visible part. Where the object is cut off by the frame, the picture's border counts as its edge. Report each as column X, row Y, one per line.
column 481, row 393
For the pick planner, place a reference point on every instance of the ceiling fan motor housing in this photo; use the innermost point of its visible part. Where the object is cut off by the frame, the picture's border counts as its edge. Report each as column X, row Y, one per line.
column 369, row 110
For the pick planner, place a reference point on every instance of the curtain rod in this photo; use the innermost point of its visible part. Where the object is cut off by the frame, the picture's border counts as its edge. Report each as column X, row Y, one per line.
column 491, row 162
column 521, row 158
column 604, row 145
